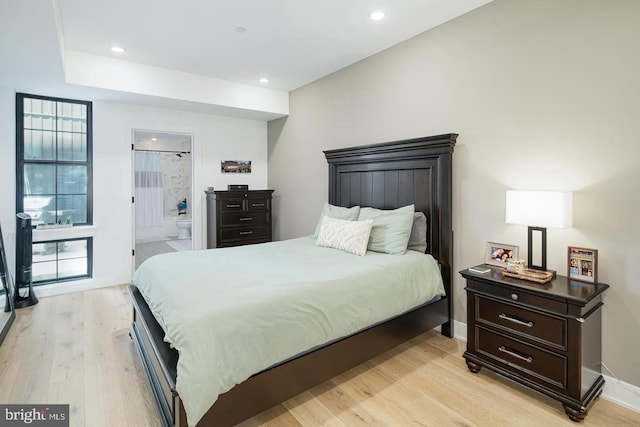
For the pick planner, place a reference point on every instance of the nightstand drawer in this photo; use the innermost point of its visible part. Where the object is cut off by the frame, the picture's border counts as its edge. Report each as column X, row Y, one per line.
column 244, row 233
column 261, row 218
column 521, row 358
column 517, row 296
column 541, row 327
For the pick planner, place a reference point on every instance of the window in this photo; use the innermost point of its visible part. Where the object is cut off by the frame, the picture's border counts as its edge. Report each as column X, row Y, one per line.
column 54, row 181
column 59, row 260
column 53, row 150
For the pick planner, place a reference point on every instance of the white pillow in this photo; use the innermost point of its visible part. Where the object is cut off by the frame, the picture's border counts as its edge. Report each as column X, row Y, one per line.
column 348, row 236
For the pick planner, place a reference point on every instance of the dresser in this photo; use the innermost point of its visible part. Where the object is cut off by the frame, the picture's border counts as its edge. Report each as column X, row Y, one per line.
column 237, row 218
column 544, row 336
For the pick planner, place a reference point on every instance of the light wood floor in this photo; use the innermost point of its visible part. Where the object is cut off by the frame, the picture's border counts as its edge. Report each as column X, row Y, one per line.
column 76, row 349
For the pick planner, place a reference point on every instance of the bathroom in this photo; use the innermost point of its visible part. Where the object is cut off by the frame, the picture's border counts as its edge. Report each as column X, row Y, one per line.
column 163, row 192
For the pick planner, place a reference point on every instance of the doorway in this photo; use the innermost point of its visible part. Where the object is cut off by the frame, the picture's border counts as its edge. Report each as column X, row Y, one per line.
column 163, row 193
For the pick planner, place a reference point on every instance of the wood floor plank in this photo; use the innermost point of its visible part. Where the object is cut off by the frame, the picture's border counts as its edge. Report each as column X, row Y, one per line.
column 310, row 412
column 76, row 349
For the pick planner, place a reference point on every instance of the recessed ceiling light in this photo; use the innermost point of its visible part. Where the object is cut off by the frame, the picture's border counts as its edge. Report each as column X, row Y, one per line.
column 117, row 49
column 154, row 139
column 264, row 80
column 377, row 15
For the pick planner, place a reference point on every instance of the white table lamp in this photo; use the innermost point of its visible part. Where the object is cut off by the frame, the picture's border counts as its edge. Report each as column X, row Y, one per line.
column 539, row 210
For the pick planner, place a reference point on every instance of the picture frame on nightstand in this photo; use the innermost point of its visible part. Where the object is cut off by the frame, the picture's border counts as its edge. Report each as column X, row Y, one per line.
column 496, row 254
column 582, row 264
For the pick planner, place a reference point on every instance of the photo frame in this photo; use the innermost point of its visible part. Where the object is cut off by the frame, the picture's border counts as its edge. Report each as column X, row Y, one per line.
column 582, row 264
column 235, row 166
column 497, row 253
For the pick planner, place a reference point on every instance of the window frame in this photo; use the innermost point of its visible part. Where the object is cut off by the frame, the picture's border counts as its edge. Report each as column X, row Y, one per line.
column 58, row 279
column 20, row 149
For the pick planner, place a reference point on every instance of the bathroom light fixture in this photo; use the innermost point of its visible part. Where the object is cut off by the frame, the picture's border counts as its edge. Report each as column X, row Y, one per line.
column 377, row 15
column 264, row 80
column 117, row 49
column 538, row 210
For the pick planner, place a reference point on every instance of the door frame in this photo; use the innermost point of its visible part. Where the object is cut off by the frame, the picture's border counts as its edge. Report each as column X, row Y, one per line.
column 196, row 240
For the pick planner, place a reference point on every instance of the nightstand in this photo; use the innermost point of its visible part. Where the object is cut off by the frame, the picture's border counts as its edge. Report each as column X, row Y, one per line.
column 544, row 336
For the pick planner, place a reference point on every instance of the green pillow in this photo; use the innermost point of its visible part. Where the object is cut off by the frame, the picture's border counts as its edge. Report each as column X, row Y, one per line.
column 391, row 229
column 350, row 214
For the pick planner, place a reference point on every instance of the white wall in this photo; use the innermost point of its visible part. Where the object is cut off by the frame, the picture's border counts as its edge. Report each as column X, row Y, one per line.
column 544, row 95
column 8, row 171
column 215, row 138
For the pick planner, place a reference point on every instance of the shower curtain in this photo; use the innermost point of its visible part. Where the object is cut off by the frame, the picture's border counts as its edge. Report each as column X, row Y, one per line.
column 148, row 189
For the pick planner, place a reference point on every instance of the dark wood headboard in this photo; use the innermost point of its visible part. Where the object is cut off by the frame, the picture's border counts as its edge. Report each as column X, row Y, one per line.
column 396, row 174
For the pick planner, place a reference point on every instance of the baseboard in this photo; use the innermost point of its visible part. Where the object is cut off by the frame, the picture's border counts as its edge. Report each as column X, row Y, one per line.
column 619, row 392
column 624, row 394
column 61, row 288
column 460, row 330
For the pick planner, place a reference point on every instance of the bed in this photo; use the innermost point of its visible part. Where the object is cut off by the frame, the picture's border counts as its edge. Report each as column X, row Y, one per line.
column 385, row 176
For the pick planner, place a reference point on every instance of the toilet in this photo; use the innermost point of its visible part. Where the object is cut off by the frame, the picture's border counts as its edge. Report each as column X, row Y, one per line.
column 184, row 228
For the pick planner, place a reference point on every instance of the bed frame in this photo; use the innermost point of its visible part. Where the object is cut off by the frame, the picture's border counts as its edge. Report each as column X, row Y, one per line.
column 385, row 176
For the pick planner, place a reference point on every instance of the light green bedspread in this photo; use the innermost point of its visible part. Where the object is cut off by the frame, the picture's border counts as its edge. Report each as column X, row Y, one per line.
column 234, row 312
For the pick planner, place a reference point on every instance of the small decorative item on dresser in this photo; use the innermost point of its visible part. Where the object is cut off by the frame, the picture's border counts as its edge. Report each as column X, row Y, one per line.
column 582, row 264
column 531, row 275
column 237, row 187
column 515, row 265
column 498, row 253
column 480, row 269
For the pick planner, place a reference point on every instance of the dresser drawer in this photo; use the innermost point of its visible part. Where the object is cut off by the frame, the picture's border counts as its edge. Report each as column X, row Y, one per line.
column 518, row 296
column 232, row 205
column 248, row 233
column 261, row 218
column 521, row 358
column 541, row 327
column 258, row 205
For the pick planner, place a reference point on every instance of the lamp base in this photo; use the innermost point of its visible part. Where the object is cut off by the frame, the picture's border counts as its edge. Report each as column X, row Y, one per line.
column 543, row 248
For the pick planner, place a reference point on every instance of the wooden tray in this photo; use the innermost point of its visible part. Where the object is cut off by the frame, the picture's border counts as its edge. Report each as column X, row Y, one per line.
column 531, row 275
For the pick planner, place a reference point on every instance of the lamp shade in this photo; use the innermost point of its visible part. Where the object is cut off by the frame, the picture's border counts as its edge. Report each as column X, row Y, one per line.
column 539, row 208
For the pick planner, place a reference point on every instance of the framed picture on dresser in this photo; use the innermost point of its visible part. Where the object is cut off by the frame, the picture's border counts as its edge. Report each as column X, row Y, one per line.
column 497, row 254
column 582, row 264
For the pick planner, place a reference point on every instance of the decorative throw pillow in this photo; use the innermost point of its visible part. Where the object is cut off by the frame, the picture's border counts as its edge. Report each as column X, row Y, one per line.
column 348, row 236
column 391, row 229
column 339, row 212
column 418, row 237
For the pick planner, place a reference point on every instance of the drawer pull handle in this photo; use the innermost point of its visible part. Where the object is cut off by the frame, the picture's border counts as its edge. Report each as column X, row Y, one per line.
column 519, row 322
column 259, row 205
column 514, row 297
column 245, row 233
column 527, row 359
column 233, row 206
column 246, row 219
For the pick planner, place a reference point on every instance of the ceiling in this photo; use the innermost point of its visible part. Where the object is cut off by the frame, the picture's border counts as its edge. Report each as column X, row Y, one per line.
column 226, row 43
